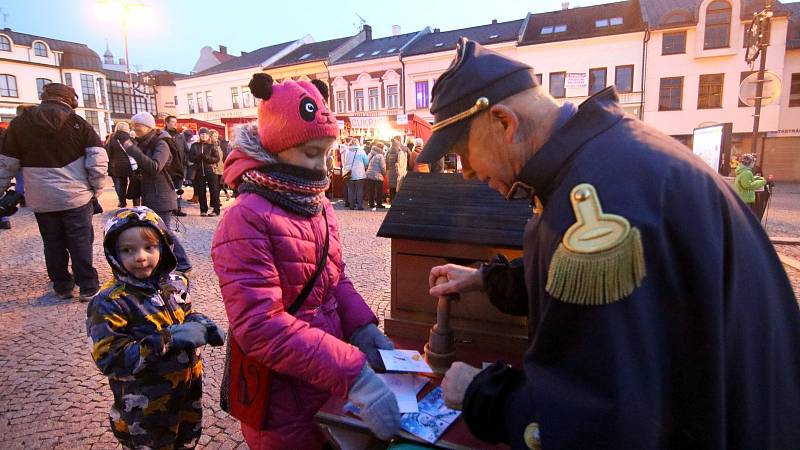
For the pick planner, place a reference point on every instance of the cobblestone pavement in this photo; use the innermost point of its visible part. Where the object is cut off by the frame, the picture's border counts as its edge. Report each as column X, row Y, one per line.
column 51, row 394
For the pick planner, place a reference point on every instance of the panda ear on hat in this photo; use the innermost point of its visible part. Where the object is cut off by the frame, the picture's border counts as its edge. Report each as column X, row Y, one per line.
column 261, row 86
column 322, row 87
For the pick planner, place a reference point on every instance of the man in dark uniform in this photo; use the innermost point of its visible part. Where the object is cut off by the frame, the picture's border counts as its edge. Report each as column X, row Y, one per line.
column 650, row 326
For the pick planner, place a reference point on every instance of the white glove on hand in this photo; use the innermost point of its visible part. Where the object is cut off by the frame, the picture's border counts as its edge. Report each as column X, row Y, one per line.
column 377, row 403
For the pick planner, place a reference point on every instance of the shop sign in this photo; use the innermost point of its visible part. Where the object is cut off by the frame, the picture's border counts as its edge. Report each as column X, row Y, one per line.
column 784, row 132
column 341, row 124
column 402, row 119
column 368, row 122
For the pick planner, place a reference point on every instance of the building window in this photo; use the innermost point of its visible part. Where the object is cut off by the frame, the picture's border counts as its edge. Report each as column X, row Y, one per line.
column 794, row 90
column 39, row 49
column 392, row 97
column 118, row 103
column 557, row 84
column 5, row 44
column 358, row 95
column 539, row 78
column 8, row 86
column 200, row 106
column 190, row 102
column 94, row 120
column 374, row 99
column 341, row 101
column 40, row 83
column 235, row 98
column 718, row 25
column 709, row 93
column 597, row 80
column 209, row 101
column 671, row 94
column 140, row 103
column 623, row 78
column 102, row 85
column 175, row 100
column 68, row 79
column 247, row 99
column 87, row 88
column 673, row 43
column 422, row 94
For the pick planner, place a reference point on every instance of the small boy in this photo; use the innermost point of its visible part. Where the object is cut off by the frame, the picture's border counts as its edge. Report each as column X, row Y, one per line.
column 144, row 336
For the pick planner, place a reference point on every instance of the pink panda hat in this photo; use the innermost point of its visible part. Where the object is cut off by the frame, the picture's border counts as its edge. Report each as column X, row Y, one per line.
column 291, row 112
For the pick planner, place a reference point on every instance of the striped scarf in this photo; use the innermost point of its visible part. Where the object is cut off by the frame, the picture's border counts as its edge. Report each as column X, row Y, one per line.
column 295, row 189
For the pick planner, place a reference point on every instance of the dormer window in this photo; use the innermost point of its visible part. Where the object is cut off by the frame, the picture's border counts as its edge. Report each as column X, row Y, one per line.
column 375, row 52
column 547, row 30
column 492, row 36
column 5, row 44
column 391, row 50
column 306, row 56
column 439, row 44
column 615, row 21
column 602, row 23
column 718, row 25
column 559, row 28
column 360, row 55
column 39, row 49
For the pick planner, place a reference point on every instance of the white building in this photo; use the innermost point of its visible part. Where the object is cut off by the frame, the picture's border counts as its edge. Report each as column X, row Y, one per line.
column 29, row 62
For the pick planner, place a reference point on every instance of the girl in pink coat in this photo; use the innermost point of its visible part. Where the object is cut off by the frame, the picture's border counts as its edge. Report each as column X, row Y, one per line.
column 266, row 248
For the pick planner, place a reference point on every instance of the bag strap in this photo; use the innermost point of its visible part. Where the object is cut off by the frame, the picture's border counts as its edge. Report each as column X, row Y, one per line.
column 303, row 295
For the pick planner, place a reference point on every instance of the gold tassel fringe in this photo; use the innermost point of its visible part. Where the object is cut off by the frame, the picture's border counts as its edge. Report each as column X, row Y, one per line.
column 597, row 278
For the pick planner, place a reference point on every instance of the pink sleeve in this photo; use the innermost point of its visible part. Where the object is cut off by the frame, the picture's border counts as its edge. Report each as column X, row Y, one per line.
column 353, row 310
column 251, row 290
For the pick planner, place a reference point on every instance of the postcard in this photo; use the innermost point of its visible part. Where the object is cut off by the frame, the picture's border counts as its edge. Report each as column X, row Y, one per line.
column 404, row 361
column 405, row 386
column 433, row 417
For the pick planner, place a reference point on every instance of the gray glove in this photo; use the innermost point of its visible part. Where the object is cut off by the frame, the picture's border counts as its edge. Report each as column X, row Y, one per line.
column 377, row 404
column 188, row 335
column 369, row 339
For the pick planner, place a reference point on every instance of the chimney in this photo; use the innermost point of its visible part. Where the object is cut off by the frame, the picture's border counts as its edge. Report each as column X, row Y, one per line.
column 564, row 6
column 368, row 32
column 122, row 61
column 223, row 49
column 243, row 53
column 436, row 30
column 494, row 21
column 395, row 30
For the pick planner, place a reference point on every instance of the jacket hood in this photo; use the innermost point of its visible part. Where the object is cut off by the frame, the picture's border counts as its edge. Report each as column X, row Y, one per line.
column 49, row 117
column 741, row 168
column 246, row 154
column 138, row 216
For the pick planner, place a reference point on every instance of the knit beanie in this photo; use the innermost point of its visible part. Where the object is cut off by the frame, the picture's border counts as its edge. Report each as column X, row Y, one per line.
column 60, row 93
column 144, row 118
column 291, row 112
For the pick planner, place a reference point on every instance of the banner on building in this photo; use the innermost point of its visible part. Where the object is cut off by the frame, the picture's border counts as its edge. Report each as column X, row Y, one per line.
column 369, row 122
column 402, row 119
column 576, row 81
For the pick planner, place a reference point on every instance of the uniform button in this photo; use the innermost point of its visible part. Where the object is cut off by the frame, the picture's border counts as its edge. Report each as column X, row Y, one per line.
column 531, row 436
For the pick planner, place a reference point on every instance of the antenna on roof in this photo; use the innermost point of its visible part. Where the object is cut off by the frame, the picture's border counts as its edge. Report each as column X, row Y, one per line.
column 360, row 25
column 5, row 17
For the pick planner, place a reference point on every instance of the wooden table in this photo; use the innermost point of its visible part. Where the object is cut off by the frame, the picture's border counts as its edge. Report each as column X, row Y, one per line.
column 349, row 432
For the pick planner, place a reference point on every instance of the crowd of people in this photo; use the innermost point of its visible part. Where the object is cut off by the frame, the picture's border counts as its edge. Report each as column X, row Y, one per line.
column 373, row 170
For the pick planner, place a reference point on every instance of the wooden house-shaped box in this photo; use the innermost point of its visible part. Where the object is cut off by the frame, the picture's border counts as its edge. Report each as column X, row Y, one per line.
column 437, row 219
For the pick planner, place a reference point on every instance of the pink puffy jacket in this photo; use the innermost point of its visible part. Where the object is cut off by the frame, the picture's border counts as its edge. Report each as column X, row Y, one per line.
column 263, row 255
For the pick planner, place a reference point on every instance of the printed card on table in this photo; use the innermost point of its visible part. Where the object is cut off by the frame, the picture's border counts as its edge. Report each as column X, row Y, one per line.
column 405, row 387
column 404, row 361
column 433, row 417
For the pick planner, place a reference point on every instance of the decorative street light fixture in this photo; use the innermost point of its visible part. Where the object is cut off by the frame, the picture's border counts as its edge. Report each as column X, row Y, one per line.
column 758, row 35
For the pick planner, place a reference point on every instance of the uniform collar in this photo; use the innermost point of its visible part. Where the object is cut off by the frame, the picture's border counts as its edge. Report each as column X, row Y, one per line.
column 597, row 114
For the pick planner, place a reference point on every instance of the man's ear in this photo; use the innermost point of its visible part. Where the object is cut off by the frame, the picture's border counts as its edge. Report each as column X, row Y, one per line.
column 507, row 119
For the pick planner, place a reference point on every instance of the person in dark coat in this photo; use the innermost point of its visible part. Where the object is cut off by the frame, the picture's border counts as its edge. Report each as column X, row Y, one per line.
column 119, row 167
column 152, row 155
column 204, row 155
column 171, row 127
column 649, row 328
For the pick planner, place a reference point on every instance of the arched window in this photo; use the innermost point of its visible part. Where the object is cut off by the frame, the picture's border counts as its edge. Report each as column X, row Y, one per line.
column 718, row 25
column 39, row 49
column 8, row 86
column 5, row 44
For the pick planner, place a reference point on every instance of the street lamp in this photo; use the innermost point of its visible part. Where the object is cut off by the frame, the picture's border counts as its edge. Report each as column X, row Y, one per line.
column 758, row 36
column 124, row 9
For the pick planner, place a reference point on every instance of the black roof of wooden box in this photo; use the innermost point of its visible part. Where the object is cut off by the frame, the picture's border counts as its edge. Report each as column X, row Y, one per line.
column 449, row 209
